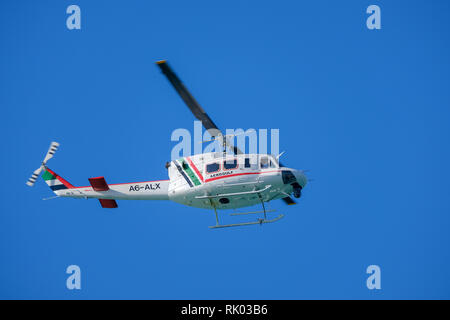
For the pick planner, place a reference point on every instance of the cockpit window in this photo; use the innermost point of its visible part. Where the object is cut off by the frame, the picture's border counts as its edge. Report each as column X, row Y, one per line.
column 212, row 167
column 230, row 164
column 264, row 162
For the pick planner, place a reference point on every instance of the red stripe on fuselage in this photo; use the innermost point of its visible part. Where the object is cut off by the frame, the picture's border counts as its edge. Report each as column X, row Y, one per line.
column 64, row 182
column 117, row 184
column 195, row 169
column 240, row 174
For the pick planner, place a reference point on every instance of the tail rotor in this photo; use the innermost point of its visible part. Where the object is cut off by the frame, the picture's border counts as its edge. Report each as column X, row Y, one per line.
column 51, row 151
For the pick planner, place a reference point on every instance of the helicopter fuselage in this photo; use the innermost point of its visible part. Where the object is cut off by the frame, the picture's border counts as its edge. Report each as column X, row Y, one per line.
column 231, row 181
column 209, row 180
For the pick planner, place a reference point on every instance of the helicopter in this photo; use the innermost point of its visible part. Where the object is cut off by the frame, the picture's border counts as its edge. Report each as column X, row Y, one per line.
column 214, row 180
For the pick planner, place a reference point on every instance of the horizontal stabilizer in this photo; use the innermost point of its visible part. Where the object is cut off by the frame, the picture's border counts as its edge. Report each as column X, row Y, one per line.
column 99, row 184
column 108, row 203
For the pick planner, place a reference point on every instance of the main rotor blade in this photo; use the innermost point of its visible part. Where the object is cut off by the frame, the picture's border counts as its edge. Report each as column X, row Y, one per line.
column 190, row 101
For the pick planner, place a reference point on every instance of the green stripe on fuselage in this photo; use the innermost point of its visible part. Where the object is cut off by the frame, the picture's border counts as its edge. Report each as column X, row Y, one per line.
column 48, row 176
column 187, row 168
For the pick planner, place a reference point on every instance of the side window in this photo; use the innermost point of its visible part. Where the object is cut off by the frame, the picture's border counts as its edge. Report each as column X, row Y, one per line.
column 272, row 164
column 230, row 164
column 212, row 167
column 247, row 163
column 264, row 162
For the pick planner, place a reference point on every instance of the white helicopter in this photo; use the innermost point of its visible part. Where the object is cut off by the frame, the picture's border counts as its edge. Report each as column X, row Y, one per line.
column 217, row 180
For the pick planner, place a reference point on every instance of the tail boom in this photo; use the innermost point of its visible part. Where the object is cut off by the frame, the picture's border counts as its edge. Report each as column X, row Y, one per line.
column 99, row 189
column 147, row 190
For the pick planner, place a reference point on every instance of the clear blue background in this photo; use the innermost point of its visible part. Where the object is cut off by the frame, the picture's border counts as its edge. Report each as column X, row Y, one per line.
column 367, row 112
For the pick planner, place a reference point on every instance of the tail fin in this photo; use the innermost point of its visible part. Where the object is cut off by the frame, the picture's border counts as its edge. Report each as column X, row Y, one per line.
column 54, row 181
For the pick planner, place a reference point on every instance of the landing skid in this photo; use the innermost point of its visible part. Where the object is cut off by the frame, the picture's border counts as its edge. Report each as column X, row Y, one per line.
column 260, row 221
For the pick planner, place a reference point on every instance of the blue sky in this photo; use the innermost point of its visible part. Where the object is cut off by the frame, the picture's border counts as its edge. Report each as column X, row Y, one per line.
column 367, row 112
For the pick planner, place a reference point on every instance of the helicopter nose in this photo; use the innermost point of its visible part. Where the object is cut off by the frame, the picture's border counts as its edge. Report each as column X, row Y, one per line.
column 301, row 178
